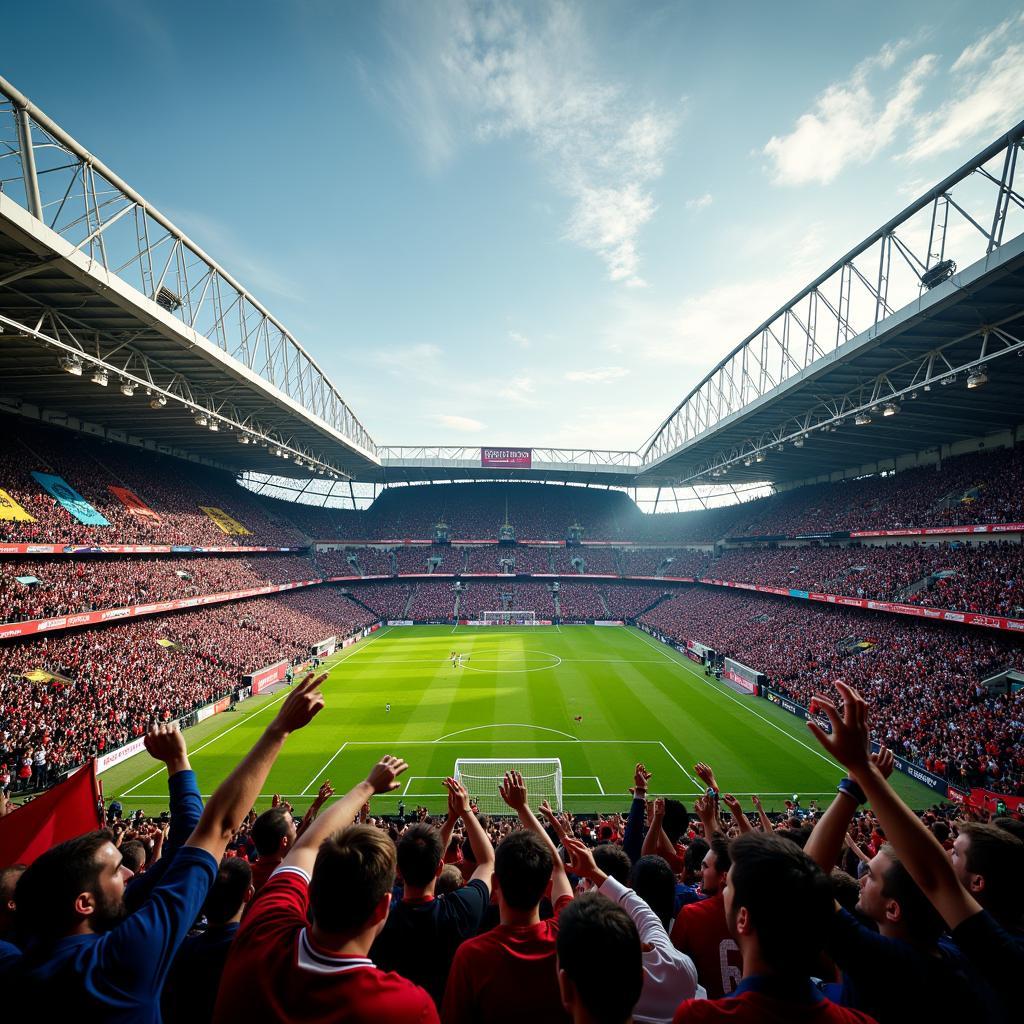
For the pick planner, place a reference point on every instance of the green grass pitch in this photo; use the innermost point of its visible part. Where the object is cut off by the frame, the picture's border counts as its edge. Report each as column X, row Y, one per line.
column 517, row 698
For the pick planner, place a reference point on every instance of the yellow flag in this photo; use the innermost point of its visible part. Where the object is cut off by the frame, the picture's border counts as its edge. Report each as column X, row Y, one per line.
column 12, row 511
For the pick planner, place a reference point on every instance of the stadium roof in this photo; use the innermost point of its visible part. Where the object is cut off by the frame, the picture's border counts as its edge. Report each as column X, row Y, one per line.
column 96, row 284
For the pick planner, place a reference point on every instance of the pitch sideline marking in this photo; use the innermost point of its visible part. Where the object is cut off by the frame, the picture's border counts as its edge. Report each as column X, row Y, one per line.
column 324, row 769
column 696, row 782
column 250, row 716
column 796, row 739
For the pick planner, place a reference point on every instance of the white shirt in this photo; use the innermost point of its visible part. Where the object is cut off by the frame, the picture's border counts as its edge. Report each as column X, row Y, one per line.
column 669, row 976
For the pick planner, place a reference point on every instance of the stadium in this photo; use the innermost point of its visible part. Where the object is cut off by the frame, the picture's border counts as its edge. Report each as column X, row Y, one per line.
column 193, row 518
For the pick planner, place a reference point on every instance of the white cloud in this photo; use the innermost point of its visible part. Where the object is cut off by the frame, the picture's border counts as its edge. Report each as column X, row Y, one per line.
column 463, row 423
column 509, row 72
column 850, row 123
column 598, row 374
column 519, row 390
column 987, row 97
column 701, row 202
column 520, row 339
column 408, row 357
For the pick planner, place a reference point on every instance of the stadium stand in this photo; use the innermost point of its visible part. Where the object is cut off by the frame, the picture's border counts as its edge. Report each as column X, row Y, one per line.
column 580, row 602
column 176, row 491
column 925, row 680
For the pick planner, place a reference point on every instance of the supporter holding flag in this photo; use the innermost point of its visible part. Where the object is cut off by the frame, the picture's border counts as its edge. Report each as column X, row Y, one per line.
column 423, row 931
column 994, row 952
column 778, row 904
column 85, row 959
column 509, row 974
column 302, row 951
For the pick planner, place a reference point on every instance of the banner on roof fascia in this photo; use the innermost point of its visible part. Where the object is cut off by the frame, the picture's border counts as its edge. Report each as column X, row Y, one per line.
column 224, row 522
column 57, row 487
column 506, row 458
column 133, row 503
column 11, row 511
column 936, row 531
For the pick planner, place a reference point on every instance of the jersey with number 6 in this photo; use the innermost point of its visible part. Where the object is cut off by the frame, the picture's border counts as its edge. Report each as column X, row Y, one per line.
column 701, row 932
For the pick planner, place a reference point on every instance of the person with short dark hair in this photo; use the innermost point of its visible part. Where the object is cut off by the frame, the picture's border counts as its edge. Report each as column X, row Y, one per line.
column 86, row 958
column 191, row 989
column 423, row 931
column 989, row 862
column 702, row 932
column 273, row 834
column 302, row 953
column 133, row 855
column 613, row 861
column 600, row 971
column 778, row 904
column 508, row 975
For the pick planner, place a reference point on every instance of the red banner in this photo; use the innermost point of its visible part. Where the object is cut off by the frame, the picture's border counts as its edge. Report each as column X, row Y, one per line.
column 133, row 503
column 989, row 800
column 133, row 549
column 935, row 531
column 506, row 458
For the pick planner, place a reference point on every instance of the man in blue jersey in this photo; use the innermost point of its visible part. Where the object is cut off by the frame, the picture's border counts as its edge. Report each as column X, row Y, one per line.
column 87, row 958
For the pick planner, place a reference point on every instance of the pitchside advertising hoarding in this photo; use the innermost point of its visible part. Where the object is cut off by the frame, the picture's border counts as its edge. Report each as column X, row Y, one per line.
column 506, row 458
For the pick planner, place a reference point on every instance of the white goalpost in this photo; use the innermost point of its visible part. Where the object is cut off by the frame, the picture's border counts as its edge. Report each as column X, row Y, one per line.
column 508, row 618
column 483, row 776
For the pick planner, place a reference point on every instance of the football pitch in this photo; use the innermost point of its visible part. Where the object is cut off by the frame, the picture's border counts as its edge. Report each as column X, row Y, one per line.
column 518, row 696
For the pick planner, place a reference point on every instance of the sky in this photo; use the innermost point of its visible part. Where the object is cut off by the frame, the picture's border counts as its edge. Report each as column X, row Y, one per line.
column 522, row 223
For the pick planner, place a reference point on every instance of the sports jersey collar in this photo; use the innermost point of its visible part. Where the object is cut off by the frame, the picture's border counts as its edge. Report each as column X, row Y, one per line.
column 311, row 959
column 790, row 990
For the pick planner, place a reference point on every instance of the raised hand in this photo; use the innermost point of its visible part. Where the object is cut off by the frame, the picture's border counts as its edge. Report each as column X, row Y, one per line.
column 733, row 804
column 383, row 777
column 300, row 707
column 756, row 800
column 884, row 760
column 166, row 743
column 581, row 860
column 706, row 775
column 458, row 798
column 659, row 810
column 513, row 791
column 848, row 742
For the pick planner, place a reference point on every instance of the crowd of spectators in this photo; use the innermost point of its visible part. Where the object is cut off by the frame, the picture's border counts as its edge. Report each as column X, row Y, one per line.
column 925, row 680
column 388, row 600
column 986, row 577
column 42, row 588
column 579, row 602
column 217, row 913
column 432, row 602
column 627, row 603
column 171, row 488
column 103, row 687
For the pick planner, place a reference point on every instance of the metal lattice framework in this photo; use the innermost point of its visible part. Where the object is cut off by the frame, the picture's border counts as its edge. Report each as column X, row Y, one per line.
column 966, row 216
column 122, row 236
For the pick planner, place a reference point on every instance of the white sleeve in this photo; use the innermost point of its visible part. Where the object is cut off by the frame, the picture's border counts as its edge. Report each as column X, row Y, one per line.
column 646, row 920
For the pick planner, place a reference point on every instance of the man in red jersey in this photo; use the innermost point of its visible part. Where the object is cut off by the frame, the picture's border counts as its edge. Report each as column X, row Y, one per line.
column 778, row 904
column 509, row 974
column 301, row 954
column 702, row 932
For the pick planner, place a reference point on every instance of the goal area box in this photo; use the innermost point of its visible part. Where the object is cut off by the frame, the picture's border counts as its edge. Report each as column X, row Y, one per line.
column 483, row 776
column 508, row 618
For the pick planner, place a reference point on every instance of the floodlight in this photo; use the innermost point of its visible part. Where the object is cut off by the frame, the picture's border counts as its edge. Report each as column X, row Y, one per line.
column 72, row 365
column 100, row 376
column 214, row 425
column 243, row 439
column 890, row 409
column 201, row 420
column 939, row 273
column 127, row 388
column 798, row 442
column 759, row 457
column 158, row 403
column 862, row 419
column 978, row 378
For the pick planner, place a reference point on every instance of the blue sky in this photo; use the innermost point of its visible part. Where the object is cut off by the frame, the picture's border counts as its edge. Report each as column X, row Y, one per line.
column 520, row 223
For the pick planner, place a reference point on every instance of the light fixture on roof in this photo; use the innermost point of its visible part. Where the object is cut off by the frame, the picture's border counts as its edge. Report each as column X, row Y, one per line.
column 158, row 403
column 780, row 447
column 72, row 365
column 277, row 452
column 927, row 387
column 201, row 420
column 978, row 378
column 100, row 377
column 243, row 439
column 890, row 409
column 946, row 381
column 759, row 457
column 214, row 425
column 748, row 461
column 862, row 419
column 798, row 442
column 127, row 388
column 913, row 396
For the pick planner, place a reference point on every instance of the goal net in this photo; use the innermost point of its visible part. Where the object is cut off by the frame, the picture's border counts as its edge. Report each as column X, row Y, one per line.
column 482, row 777
column 511, row 618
